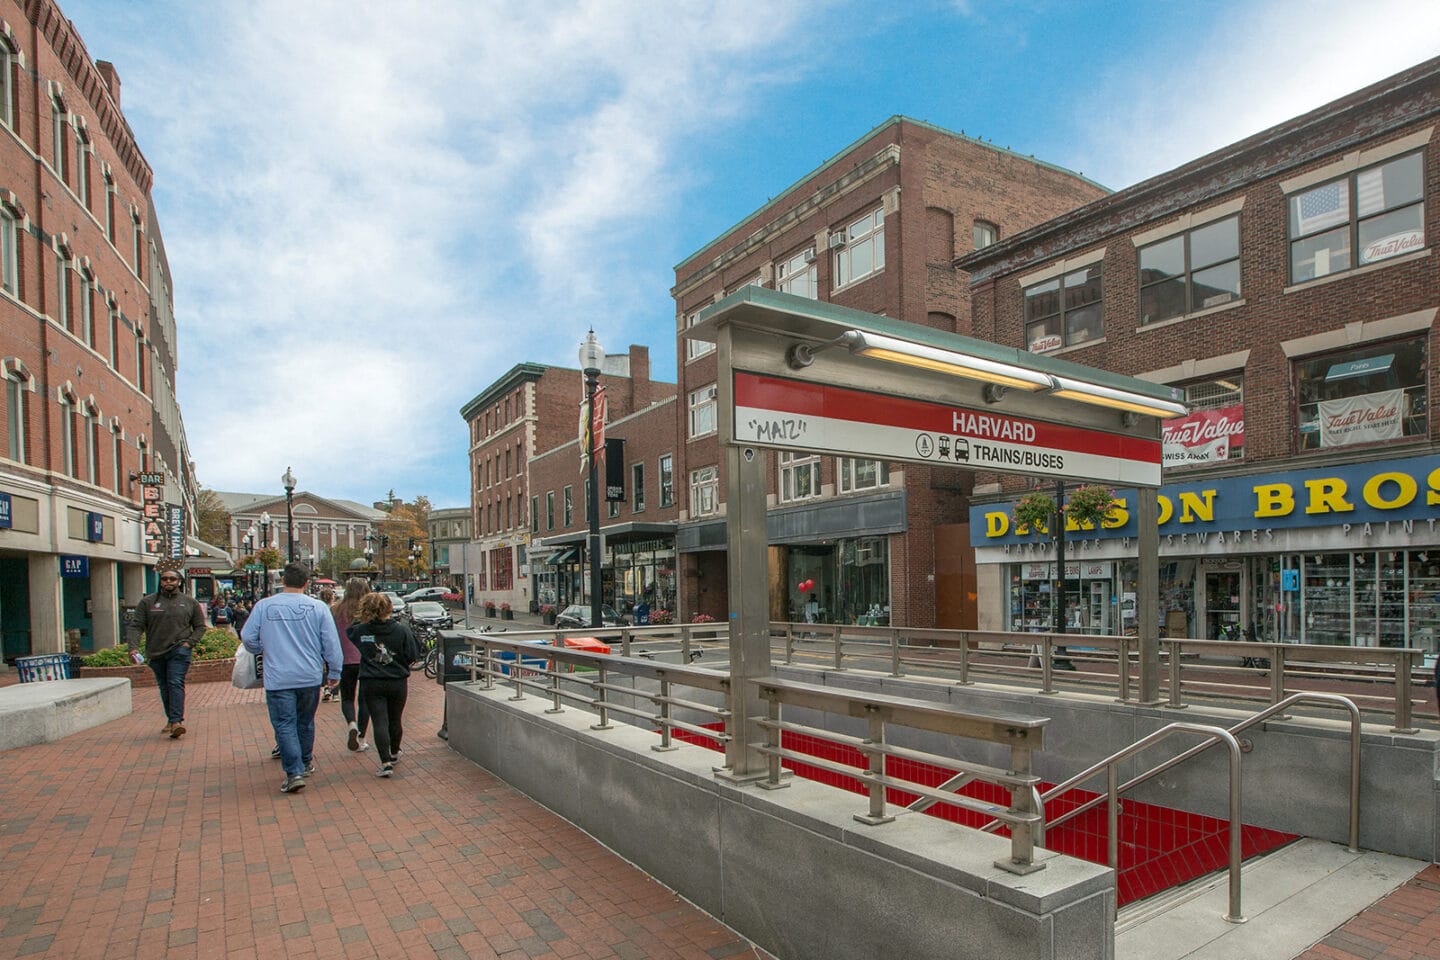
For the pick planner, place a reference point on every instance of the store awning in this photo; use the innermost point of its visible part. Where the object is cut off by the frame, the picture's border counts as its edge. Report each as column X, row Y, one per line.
column 562, row 557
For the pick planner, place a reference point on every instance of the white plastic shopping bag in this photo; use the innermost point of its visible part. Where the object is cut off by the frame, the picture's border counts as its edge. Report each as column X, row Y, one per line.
column 246, row 674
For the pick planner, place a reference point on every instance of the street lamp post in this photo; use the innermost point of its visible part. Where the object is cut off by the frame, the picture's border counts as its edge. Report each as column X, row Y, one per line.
column 264, row 545
column 591, row 356
column 248, row 544
column 289, row 481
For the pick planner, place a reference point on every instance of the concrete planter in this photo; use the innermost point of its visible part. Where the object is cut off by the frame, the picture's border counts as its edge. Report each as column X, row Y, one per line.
column 140, row 675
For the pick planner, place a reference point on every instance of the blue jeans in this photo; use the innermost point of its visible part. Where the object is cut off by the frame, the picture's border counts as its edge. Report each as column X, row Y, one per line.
column 292, row 715
column 170, row 669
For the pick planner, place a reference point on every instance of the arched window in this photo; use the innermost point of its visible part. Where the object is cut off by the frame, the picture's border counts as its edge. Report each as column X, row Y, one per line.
column 19, row 384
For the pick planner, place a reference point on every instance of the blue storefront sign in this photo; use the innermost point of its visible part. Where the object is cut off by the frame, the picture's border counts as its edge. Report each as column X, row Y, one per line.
column 73, row 566
column 1352, row 494
column 95, row 526
column 5, row 513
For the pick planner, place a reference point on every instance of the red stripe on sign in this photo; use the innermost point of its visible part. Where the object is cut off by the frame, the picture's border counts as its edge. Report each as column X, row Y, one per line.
column 859, row 406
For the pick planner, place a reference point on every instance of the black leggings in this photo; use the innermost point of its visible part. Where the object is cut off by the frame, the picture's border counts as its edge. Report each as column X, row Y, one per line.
column 356, row 712
column 385, row 700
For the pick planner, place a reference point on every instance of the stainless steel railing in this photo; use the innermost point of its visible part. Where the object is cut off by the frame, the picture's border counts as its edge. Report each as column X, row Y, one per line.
column 1381, row 681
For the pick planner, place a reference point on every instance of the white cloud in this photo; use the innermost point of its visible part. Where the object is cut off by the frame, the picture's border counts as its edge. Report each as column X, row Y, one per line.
column 373, row 209
column 1257, row 66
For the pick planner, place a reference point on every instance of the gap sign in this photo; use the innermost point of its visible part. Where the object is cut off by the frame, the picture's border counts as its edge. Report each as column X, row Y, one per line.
column 791, row 414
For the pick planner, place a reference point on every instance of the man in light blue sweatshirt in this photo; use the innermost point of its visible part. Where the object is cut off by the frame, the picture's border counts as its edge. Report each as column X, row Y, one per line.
column 297, row 637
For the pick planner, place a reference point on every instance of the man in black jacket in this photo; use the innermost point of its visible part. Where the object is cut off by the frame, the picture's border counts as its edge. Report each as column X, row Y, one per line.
column 173, row 622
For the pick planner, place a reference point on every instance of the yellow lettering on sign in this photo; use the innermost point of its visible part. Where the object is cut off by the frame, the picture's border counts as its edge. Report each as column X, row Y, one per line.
column 1274, row 500
column 997, row 524
column 1164, row 509
column 1118, row 516
column 1405, row 487
column 1193, row 508
column 1327, row 495
column 1432, row 496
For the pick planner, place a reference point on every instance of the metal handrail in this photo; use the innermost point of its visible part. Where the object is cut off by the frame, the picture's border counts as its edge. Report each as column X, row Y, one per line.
column 1241, row 727
column 1022, row 734
column 949, row 651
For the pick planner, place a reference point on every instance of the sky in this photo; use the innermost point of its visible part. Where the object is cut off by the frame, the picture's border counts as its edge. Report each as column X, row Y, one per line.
column 372, row 210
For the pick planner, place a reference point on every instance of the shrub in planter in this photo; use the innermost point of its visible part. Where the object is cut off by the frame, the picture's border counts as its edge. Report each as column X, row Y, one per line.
column 216, row 644
column 547, row 613
column 116, row 656
column 661, row 617
column 506, row 613
column 489, row 608
column 702, row 618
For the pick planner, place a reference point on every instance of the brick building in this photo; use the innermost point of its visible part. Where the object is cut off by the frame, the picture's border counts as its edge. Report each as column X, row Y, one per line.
column 1285, row 287
column 529, row 410
column 320, row 524
column 876, row 228
column 87, row 346
column 449, row 530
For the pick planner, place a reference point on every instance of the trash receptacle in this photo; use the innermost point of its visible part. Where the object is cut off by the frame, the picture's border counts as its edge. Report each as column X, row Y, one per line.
column 46, row 666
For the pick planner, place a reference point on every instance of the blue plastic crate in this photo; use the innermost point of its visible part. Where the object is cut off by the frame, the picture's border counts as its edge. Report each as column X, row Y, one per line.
column 46, row 666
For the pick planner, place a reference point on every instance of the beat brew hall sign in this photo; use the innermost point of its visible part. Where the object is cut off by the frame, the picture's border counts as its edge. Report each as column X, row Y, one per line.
column 162, row 531
column 791, row 414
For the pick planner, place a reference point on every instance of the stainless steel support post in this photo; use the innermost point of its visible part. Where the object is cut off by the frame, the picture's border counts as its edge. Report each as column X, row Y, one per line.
column 875, row 773
column 1147, row 594
column 748, row 561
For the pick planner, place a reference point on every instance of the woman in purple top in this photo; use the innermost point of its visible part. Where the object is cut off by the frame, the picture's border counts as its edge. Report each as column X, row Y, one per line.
column 358, row 717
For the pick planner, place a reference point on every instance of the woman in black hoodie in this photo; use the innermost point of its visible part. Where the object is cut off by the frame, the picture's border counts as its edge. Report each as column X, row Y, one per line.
column 387, row 648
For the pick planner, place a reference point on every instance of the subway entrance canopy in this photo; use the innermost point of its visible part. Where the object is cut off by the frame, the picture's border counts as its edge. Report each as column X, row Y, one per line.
column 802, row 375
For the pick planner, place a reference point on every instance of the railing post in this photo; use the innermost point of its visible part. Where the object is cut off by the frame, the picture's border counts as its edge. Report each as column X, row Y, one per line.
column 789, row 643
column 774, row 776
column 965, row 658
column 1176, row 699
column 1122, row 667
column 515, row 676
column 1047, row 669
column 895, row 653
column 839, row 647
column 1403, row 715
column 1277, row 677
column 665, row 744
column 555, row 688
column 875, row 771
column 1112, row 826
column 489, row 666
column 600, row 701
column 1023, row 800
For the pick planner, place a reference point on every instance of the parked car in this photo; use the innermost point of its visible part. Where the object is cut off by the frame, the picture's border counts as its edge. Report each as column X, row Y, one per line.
column 397, row 603
column 578, row 615
column 430, row 613
column 426, row 593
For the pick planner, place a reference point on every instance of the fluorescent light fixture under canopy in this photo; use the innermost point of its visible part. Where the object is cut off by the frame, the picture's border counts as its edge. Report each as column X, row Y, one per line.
column 947, row 361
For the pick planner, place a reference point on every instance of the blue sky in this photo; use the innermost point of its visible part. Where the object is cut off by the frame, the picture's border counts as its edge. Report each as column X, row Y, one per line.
column 372, row 210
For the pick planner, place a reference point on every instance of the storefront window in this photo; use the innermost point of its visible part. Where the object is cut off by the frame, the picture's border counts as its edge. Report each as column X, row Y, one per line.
column 851, row 582
column 1369, row 395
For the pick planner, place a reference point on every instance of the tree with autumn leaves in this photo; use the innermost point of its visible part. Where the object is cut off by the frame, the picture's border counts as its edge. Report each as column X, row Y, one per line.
column 404, row 524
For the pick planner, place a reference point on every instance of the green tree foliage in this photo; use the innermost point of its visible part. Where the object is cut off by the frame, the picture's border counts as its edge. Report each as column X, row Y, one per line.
column 212, row 518
column 335, row 561
column 407, row 523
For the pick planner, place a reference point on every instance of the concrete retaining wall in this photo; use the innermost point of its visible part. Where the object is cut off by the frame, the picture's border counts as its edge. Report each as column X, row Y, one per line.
column 1295, row 779
column 791, row 869
column 49, row 710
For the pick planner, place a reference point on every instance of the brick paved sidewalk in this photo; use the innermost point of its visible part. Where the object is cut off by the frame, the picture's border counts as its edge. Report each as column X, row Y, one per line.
column 118, row 843
column 1403, row 926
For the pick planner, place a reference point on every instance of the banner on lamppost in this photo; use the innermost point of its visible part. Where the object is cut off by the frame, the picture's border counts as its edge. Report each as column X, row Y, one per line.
column 615, row 470
column 592, row 428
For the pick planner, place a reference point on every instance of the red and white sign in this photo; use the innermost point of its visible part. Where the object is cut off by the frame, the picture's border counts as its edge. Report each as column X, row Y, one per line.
column 1041, row 344
column 794, row 415
column 1362, row 419
column 1392, row 246
column 1204, row 436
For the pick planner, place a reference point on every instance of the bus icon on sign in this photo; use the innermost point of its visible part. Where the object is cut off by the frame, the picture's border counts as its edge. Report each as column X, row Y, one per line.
column 962, row 449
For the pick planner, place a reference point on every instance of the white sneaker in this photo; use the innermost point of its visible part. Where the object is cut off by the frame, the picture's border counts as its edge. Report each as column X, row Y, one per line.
column 364, row 745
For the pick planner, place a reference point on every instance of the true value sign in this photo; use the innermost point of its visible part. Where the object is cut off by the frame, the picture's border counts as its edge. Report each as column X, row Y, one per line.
column 793, row 414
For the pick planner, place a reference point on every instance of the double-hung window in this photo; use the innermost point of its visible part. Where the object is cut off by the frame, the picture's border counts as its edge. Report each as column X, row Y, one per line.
column 797, row 275
column 9, row 253
column 862, row 474
column 69, row 452
column 91, row 424
column 62, row 290
column 704, row 491
column 1361, row 218
column 87, row 309
column 1064, row 310
column 569, row 506
column 799, row 476
column 637, row 485
column 15, row 403
column 117, row 456
column 1371, row 394
column 667, row 481
column 984, row 233
column 82, row 166
column 550, row 510
column 703, row 407
column 1193, row 271
column 534, row 514
column 57, row 136
column 861, row 248
column 7, row 84
column 695, row 349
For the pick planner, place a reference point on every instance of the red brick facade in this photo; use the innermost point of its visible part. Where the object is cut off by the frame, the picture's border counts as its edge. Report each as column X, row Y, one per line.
column 932, row 186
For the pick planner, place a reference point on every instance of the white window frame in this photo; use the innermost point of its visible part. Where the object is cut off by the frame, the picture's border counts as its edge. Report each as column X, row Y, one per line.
column 983, row 233
column 57, row 136
column 1354, row 189
column 847, row 470
column 117, row 450
column 798, row 275
column 62, row 289
column 799, row 470
column 704, row 411
column 7, row 84
column 87, row 308
column 90, row 423
column 110, row 198
column 15, row 409
column 139, row 360
column 695, row 349
column 136, row 243
column 666, row 471
column 82, row 166
column 9, row 252
column 637, row 487
column 864, row 233
column 114, row 338
column 67, row 438
column 704, row 491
